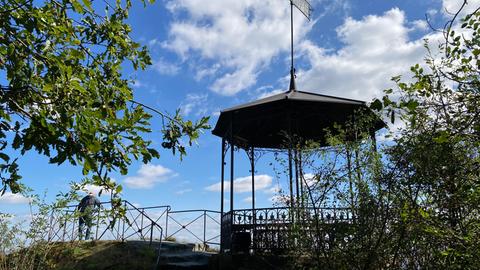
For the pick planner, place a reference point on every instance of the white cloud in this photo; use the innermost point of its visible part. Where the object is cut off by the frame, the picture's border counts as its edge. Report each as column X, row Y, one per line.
column 194, row 102
column 13, row 198
column 450, row 7
column 242, row 37
column 183, row 191
column 96, row 189
column 271, row 93
column 248, row 199
column 274, row 189
column 244, row 184
column 148, row 175
column 206, row 72
column 375, row 49
column 165, row 68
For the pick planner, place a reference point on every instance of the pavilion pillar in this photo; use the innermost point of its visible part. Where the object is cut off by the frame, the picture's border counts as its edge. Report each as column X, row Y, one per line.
column 290, row 172
column 252, row 168
column 222, row 177
column 300, row 169
column 297, row 189
column 222, row 197
column 231, row 167
column 254, row 215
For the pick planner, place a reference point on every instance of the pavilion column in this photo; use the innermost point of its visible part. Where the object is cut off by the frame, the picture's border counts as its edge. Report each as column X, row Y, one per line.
column 222, row 198
column 231, row 167
column 290, row 172
column 290, row 166
column 252, row 168
column 222, row 176
column 300, row 171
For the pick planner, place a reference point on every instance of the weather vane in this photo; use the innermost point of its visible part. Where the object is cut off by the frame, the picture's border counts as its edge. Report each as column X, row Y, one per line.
column 306, row 9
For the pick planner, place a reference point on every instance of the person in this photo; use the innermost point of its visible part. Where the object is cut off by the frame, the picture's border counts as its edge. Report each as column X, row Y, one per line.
column 85, row 207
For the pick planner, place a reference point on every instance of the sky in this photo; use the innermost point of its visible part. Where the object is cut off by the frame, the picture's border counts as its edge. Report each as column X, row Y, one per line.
column 215, row 54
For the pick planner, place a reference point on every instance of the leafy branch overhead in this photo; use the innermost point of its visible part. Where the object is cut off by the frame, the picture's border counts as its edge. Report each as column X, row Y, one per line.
column 65, row 96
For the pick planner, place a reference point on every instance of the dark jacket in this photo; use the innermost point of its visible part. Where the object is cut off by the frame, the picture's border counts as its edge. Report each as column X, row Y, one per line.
column 88, row 201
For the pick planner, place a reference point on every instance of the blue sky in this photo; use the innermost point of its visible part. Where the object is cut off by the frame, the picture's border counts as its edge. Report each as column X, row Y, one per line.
column 211, row 55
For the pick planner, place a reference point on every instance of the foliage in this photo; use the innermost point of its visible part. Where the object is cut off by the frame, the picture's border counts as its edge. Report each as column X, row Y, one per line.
column 415, row 199
column 66, row 96
column 23, row 243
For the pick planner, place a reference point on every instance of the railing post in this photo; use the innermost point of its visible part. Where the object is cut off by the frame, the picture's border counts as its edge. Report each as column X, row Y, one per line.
column 64, row 229
column 124, row 219
column 166, row 222
column 50, row 227
column 151, row 234
column 204, row 230
column 141, row 223
column 73, row 229
column 98, row 222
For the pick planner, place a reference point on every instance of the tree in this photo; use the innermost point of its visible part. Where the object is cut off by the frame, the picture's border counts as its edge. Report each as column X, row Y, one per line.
column 417, row 199
column 436, row 157
column 65, row 96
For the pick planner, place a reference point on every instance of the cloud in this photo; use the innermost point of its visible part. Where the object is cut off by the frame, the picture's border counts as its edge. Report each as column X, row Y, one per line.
column 166, row 68
column 183, row 191
column 194, row 102
column 271, row 93
column 14, row 198
column 244, row 184
column 148, row 176
column 95, row 189
column 375, row 49
column 240, row 37
column 450, row 7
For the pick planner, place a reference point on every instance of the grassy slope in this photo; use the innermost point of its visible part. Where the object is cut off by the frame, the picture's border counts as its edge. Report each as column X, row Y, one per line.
column 101, row 255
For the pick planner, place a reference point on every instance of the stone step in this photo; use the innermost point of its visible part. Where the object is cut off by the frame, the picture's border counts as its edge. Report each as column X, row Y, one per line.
column 185, row 257
column 184, row 265
column 168, row 246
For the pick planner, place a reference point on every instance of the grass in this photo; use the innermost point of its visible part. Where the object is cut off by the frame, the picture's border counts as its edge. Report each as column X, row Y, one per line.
column 100, row 255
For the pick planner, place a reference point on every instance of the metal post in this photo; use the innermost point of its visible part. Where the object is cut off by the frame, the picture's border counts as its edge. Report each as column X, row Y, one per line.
column 232, row 146
column 204, row 230
column 65, row 228
column 252, row 167
column 297, row 202
column 292, row 86
column 123, row 223
column 350, row 180
column 166, row 222
column 252, row 164
column 232, row 163
column 302, row 198
column 98, row 222
column 222, row 198
column 141, row 224
column 151, row 234
column 291, row 183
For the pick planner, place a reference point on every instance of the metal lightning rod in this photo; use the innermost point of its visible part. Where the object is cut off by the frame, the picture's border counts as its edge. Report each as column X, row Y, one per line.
column 304, row 7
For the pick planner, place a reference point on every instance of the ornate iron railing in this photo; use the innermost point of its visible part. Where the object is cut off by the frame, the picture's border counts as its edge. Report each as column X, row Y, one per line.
column 280, row 228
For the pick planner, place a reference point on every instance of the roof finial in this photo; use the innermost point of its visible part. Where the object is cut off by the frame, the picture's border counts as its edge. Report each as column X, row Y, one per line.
column 292, row 87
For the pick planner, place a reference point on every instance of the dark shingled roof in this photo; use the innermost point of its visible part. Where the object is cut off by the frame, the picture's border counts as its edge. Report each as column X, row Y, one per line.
column 263, row 123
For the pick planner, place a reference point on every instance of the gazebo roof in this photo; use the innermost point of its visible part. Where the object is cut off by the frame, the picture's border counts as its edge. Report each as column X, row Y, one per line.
column 265, row 122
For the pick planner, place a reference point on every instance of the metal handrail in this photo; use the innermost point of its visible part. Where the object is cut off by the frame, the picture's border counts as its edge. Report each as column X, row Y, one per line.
column 184, row 226
column 136, row 222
